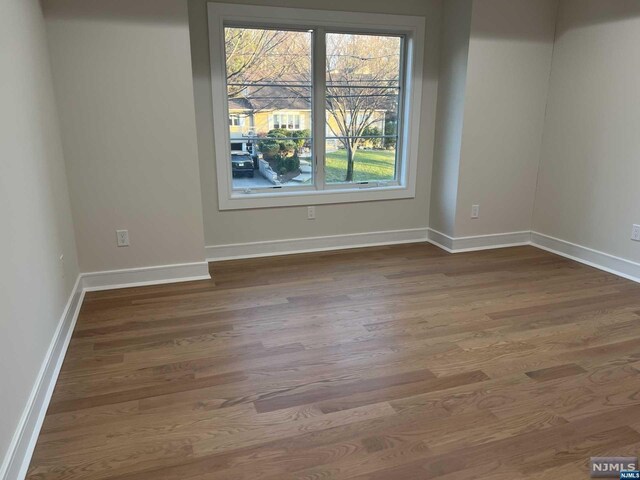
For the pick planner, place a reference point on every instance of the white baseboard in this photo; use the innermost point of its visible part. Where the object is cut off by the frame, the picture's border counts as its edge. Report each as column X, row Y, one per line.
column 18, row 457
column 478, row 242
column 24, row 440
column 136, row 277
column 440, row 240
column 20, row 450
column 594, row 258
column 314, row 244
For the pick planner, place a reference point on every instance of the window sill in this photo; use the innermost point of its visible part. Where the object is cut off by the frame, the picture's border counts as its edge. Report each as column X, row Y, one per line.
column 239, row 201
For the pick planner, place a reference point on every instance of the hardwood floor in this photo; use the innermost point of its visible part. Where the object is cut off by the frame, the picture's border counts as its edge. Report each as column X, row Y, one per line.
column 384, row 363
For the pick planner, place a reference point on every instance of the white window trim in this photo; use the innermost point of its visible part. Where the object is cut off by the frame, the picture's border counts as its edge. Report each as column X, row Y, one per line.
column 411, row 27
column 285, row 113
column 236, row 116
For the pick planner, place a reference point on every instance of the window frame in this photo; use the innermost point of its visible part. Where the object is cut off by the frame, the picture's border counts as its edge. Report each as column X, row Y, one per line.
column 286, row 113
column 411, row 28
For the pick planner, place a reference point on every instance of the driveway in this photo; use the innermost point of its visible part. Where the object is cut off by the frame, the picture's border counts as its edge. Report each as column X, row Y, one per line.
column 258, row 181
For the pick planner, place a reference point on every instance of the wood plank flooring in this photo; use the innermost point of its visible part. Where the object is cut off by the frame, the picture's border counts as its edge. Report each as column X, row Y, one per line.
column 400, row 362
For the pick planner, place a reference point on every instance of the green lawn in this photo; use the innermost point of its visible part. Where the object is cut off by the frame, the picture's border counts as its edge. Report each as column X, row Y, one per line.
column 369, row 165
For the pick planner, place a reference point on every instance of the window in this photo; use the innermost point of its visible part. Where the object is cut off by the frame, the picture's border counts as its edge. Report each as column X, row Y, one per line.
column 287, row 121
column 268, row 73
column 362, row 102
column 327, row 101
column 235, row 120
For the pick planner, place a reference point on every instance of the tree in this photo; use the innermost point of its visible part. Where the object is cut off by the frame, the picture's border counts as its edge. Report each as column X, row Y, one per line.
column 277, row 143
column 363, row 73
column 271, row 61
column 248, row 57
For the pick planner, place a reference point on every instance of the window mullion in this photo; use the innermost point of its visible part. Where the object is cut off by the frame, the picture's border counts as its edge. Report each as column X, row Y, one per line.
column 319, row 105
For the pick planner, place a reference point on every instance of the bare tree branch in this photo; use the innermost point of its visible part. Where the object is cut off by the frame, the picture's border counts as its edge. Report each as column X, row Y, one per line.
column 363, row 74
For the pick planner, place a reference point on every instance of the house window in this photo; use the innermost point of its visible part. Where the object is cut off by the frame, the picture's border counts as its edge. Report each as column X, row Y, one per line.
column 287, row 121
column 334, row 99
column 235, row 120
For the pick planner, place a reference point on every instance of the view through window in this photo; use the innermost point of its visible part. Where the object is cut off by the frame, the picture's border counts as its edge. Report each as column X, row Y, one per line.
column 269, row 89
column 269, row 78
column 362, row 98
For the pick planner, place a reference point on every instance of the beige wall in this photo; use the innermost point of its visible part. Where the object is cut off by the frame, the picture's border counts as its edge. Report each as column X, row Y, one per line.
column 454, row 55
column 123, row 81
column 510, row 52
column 227, row 227
column 495, row 63
column 590, row 165
column 34, row 207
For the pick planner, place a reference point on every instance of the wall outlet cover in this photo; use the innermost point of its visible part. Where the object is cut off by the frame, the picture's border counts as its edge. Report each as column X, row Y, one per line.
column 123, row 238
column 311, row 213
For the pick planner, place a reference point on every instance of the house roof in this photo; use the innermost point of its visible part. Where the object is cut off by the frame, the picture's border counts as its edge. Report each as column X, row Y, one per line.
column 239, row 103
column 269, row 98
column 273, row 98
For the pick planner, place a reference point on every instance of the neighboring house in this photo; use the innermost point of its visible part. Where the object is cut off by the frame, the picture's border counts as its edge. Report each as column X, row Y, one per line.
column 269, row 108
column 265, row 109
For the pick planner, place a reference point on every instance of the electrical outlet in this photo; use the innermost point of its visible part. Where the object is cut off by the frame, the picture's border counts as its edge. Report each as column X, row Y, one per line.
column 475, row 211
column 311, row 213
column 123, row 238
column 635, row 233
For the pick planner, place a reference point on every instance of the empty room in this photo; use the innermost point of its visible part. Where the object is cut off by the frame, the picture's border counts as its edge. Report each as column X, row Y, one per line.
column 302, row 240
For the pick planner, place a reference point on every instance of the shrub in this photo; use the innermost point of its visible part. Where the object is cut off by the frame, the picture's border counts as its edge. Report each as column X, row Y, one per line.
column 301, row 136
column 269, row 148
column 271, row 145
column 372, row 142
column 287, row 164
column 390, row 128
